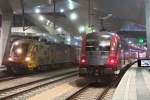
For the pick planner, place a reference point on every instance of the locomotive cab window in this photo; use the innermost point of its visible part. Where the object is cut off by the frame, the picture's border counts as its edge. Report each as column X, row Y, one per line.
column 104, row 45
column 105, row 48
column 97, row 43
column 20, row 48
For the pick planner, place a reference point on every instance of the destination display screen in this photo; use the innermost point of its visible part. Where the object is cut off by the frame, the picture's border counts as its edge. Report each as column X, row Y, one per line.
column 144, row 63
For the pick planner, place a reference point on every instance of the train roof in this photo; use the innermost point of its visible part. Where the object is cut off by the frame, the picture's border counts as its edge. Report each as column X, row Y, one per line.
column 103, row 33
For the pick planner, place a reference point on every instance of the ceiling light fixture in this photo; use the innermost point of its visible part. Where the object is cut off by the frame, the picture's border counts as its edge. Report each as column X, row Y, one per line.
column 37, row 10
column 73, row 16
column 61, row 10
column 71, row 6
column 59, row 29
column 81, row 29
column 41, row 18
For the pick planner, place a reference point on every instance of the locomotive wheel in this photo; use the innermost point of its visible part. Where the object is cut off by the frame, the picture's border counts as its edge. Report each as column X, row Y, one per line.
column 9, row 71
column 14, row 70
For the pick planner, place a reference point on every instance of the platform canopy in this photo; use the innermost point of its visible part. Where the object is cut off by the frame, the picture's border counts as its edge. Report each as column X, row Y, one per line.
column 114, row 12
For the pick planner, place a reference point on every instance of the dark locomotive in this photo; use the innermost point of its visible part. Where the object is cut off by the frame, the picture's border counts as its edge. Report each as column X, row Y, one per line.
column 32, row 54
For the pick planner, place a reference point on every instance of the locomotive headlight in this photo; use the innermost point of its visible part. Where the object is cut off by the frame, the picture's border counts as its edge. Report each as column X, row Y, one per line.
column 27, row 59
column 16, row 43
column 10, row 59
column 19, row 51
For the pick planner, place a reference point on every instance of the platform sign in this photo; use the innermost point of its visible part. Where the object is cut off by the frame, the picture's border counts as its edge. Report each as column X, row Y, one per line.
column 144, row 63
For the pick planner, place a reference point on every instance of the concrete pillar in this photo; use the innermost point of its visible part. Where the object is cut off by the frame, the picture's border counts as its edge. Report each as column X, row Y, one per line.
column 7, row 14
column 5, row 31
column 147, row 5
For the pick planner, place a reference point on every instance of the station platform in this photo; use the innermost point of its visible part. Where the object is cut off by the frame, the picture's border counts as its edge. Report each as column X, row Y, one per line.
column 134, row 85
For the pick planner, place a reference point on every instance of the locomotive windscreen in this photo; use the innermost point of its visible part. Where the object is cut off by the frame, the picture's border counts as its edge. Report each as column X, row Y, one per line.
column 20, row 48
column 96, row 42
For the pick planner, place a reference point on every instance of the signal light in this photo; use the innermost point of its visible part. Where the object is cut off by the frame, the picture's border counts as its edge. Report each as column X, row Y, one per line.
column 141, row 41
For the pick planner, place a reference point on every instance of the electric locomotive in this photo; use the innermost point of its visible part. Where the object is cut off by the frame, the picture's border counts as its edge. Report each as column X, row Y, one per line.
column 28, row 55
column 100, row 57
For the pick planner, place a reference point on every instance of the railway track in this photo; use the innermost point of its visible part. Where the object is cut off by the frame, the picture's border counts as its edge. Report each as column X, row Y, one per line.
column 12, row 77
column 6, row 78
column 88, row 92
column 91, row 92
column 9, row 93
column 97, row 93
